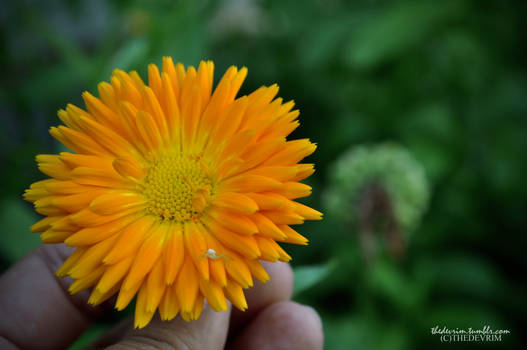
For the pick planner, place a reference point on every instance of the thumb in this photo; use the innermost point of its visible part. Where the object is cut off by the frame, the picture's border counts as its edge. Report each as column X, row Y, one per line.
column 209, row 331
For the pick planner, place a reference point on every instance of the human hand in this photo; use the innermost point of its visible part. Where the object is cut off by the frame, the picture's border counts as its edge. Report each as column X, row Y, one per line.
column 39, row 313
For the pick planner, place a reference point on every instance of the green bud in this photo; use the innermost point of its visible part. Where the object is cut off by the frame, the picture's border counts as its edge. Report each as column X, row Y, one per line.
column 388, row 167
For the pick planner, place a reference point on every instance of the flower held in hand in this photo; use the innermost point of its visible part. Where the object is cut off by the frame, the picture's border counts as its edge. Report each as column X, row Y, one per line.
column 173, row 191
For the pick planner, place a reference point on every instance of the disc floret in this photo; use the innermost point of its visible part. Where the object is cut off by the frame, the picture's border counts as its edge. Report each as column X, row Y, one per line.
column 176, row 187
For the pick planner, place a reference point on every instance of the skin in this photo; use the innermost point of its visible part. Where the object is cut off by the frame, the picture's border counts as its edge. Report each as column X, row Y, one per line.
column 43, row 315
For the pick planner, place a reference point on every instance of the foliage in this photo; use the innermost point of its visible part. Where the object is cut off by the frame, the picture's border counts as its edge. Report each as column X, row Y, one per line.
column 447, row 80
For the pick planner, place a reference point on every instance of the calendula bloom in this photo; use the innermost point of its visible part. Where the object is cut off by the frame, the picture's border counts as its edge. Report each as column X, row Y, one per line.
column 172, row 191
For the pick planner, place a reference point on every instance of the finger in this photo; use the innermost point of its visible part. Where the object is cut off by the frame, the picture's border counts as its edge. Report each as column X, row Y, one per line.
column 279, row 288
column 261, row 295
column 42, row 314
column 209, row 331
column 283, row 325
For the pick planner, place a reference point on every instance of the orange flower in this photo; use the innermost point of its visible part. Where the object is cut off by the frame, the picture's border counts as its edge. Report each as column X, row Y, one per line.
column 173, row 192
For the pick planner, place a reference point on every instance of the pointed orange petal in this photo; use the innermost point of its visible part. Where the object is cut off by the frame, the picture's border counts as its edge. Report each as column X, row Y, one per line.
column 98, row 177
column 237, row 223
column 249, row 183
column 153, row 107
column 169, row 68
column 279, row 173
column 173, row 254
column 129, row 88
column 128, row 118
column 67, row 187
column 99, row 111
column 96, row 297
column 238, row 270
column 107, row 95
column 114, row 274
column 86, row 281
column 53, row 166
column 154, row 81
column 126, row 295
column 112, row 203
column 49, row 210
column 243, row 244
column 128, row 168
column 238, row 143
column 155, row 286
column 214, row 294
column 198, row 307
column 216, row 266
column 258, row 152
column 44, row 224
column 307, row 213
column 87, row 218
column 130, row 239
column 267, row 201
column 76, row 202
column 146, row 257
column 233, row 113
column 236, row 202
column 293, row 190
column 106, row 137
column 53, row 236
column 169, row 307
column 304, row 171
column 258, row 271
column 172, row 113
column 70, row 262
column 34, row 194
column 77, row 141
column 261, row 97
column 93, row 235
column 283, row 217
column 269, row 252
column 284, row 257
column 74, row 160
column 187, row 286
column 64, row 224
column 234, row 292
column 142, row 315
column 292, row 152
column 293, row 237
column 92, row 258
column 266, row 227
column 196, row 246
column 148, row 130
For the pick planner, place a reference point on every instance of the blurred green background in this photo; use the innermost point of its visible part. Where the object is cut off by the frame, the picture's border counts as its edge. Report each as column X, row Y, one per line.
column 445, row 82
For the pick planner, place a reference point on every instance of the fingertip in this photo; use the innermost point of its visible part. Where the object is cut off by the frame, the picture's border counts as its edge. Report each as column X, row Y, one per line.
column 209, row 331
column 282, row 278
column 283, row 325
column 261, row 295
column 314, row 333
column 30, row 290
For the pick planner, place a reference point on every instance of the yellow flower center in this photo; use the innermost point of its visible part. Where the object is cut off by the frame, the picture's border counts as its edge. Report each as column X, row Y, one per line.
column 177, row 187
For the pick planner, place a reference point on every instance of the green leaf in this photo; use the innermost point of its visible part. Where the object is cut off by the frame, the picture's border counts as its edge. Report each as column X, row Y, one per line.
column 91, row 335
column 464, row 274
column 129, row 55
column 350, row 332
column 16, row 219
column 388, row 281
column 396, row 29
column 463, row 314
column 308, row 276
